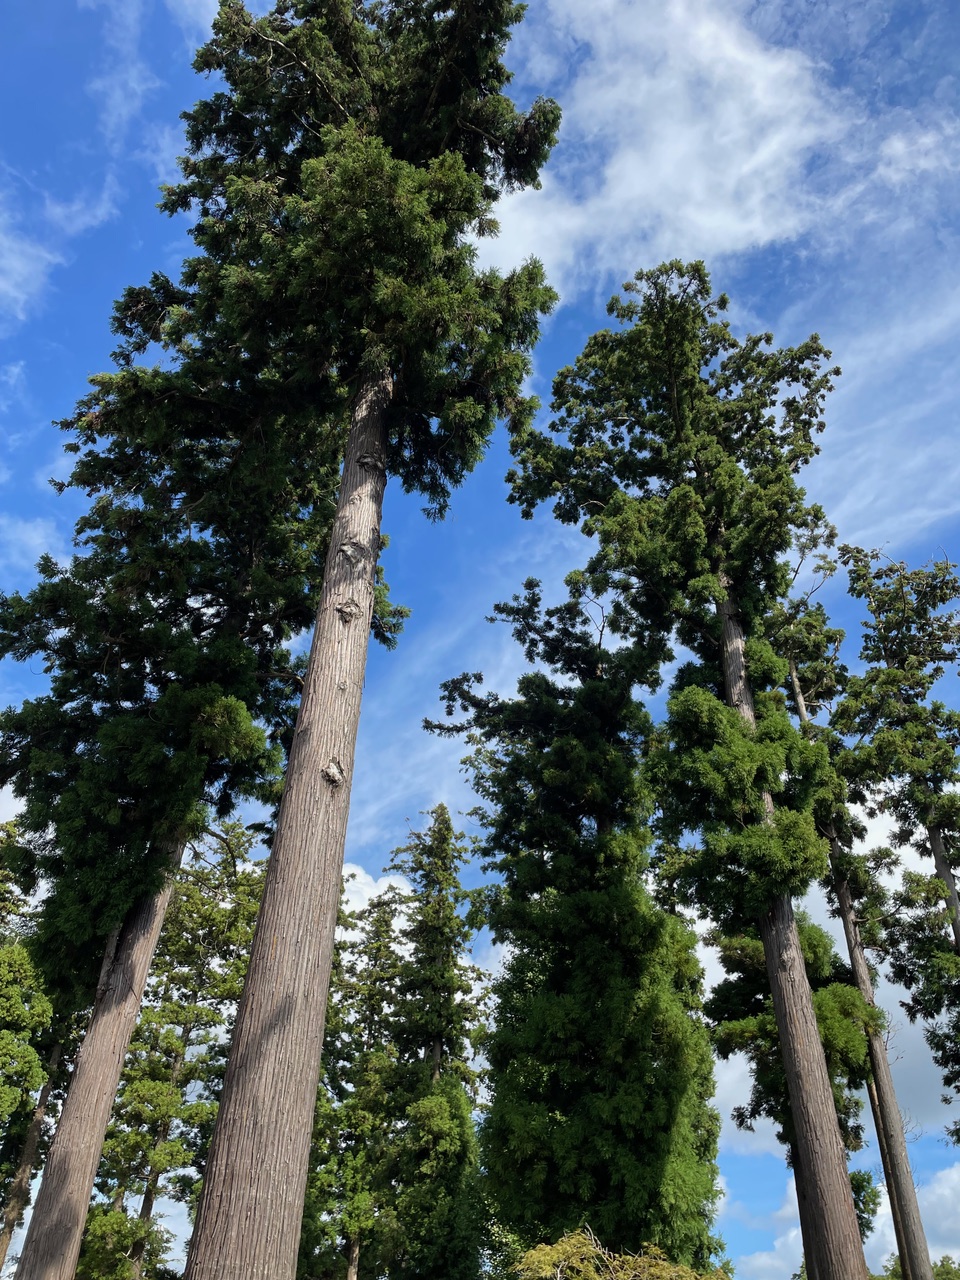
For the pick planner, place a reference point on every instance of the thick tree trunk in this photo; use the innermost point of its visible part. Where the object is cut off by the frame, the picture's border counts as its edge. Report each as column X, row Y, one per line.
column 248, row 1222
column 945, row 873
column 908, row 1226
column 52, row 1246
column 19, row 1196
column 830, row 1218
column 808, row 1245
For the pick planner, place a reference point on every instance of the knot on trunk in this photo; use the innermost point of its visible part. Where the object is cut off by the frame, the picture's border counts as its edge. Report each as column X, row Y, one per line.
column 354, row 553
column 371, row 462
column 333, row 774
column 349, row 610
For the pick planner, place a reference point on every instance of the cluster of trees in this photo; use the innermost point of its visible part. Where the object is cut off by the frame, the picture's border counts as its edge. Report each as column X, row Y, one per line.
column 332, row 329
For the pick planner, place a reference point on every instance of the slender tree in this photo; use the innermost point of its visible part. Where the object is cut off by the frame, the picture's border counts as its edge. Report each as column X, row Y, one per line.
column 394, row 1183
column 679, row 449
column 174, row 1066
column 600, row 1069
column 802, row 633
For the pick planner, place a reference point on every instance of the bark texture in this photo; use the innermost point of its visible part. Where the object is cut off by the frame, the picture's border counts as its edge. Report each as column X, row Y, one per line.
column 19, row 1196
column 52, row 1246
column 248, row 1222
column 905, row 1210
column 353, row 1258
column 829, row 1229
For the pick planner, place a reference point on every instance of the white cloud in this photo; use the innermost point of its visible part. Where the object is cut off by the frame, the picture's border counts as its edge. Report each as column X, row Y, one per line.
column 25, row 266
column 193, row 16
column 85, row 211
column 22, row 542
column 684, row 134
column 126, row 80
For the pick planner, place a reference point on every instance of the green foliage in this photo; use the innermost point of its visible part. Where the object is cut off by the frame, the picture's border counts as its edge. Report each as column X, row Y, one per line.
column 580, row 1256
column 166, row 1103
column 740, row 1007
column 946, row 1269
column 394, row 1161
column 600, row 1068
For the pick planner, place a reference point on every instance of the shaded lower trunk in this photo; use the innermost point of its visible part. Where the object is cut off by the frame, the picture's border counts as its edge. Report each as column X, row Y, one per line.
column 802, row 1208
column 828, row 1216
column 19, row 1196
column 257, row 1168
column 945, row 873
column 353, row 1258
column 908, row 1226
column 52, row 1245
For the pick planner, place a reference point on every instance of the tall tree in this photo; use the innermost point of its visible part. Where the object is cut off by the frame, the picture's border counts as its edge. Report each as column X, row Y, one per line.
column 395, row 1175
column 600, row 1068
column 742, row 1013
column 170, row 691
column 339, row 179
column 902, row 760
column 174, row 1067
column 803, row 635
column 679, row 449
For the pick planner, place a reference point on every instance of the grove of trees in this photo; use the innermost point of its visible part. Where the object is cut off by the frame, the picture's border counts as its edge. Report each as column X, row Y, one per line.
column 189, row 1013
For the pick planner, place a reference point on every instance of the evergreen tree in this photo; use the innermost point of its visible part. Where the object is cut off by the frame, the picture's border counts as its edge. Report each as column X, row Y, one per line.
column 174, row 1067
column 394, row 1186
column 741, row 1010
column 802, row 634
column 902, row 760
column 600, row 1068
column 338, row 180
column 678, row 452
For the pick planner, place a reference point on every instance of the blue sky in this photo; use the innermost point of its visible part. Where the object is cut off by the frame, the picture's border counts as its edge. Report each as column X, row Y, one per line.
column 809, row 150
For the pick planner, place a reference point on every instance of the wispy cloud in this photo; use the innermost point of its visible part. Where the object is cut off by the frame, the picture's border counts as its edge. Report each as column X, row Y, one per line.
column 85, row 211
column 25, row 267
column 125, row 80
column 23, row 541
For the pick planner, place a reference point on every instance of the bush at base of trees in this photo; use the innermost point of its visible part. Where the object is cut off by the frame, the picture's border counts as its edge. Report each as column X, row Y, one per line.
column 581, row 1256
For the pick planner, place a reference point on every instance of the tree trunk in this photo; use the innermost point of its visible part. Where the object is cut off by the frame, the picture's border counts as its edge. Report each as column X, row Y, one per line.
column 52, row 1246
column 911, row 1240
column 908, row 1226
column 353, row 1258
column 437, row 1057
column 945, row 873
column 248, row 1221
column 809, row 1265
column 831, row 1220
column 19, row 1196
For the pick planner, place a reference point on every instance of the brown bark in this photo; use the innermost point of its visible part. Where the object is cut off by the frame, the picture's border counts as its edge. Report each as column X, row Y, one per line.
column 248, row 1222
column 52, row 1245
column 19, row 1196
column 437, row 1057
column 353, row 1258
column 911, row 1239
column 905, row 1210
column 827, row 1209
column 945, row 873
column 808, row 1245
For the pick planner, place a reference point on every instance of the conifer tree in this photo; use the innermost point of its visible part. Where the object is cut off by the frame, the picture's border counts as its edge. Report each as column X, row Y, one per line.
column 741, row 1010
column 338, row 179
column 174, row 1067
column 902, row 760
column 803, row 635
column 394, row 1183
column 600, row 1068
column 678, row 451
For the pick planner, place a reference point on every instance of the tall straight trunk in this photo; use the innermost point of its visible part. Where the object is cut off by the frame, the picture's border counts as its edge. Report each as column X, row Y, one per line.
column 809, row 1263
column 905, row 1210
column 248, row 1221
column 52, row 1246
column 19, row 1196
column 353, row 1258
column 945, row 873
column 830, row 1217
